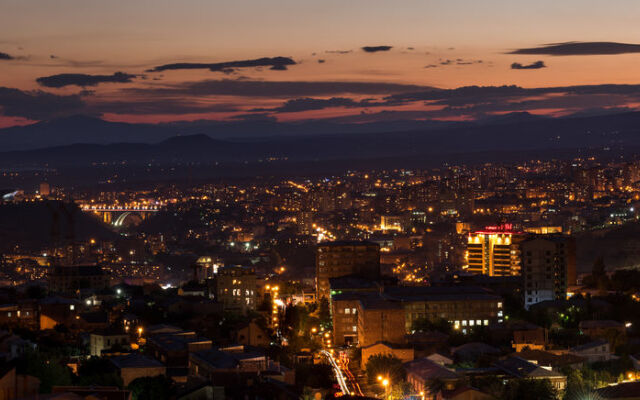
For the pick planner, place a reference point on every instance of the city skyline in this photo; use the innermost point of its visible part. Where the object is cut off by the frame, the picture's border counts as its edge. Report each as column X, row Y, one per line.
column 291, row 61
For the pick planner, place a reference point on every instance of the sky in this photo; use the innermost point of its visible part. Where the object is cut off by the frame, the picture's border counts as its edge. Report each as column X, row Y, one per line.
column 285, row 60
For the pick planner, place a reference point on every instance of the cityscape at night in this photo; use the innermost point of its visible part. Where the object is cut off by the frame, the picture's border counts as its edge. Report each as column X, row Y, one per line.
column 410, row 200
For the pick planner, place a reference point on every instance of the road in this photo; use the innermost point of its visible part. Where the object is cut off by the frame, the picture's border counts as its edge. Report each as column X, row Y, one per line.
column 342, row 382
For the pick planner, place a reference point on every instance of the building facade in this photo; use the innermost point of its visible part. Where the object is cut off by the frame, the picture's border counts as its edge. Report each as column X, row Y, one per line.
column 547, row 263
column 235, row 288
column 494, row 251
column 336, row 259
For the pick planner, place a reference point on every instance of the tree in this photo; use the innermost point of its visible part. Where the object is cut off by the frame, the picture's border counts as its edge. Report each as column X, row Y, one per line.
column 385, row 365
column 46, row 367
column 529, row 389
column 324, row 313
column 151, row 388
column 97, row 371
column 316, row 376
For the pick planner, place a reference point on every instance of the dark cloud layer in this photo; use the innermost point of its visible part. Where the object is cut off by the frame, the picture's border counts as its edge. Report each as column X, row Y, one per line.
column 478, row 101
column 5, row 56
column 37, row 104
column 338, row 51
column 375, row 49
column 581, row 49
column 61, row 80
column 535, row 65
column 252, row 88
column 310, row 104
column 276, row 63
column 160, row 106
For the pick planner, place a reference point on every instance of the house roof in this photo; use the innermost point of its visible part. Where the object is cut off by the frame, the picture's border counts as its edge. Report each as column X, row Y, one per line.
column 590, row 345
column 438, row 293
column 225, row 359
column 521, row 368
column 600, row 323
column 429, row 370
column 389, row 345
column 135, row 360
column 475, row 348
column 624, row 390
column 545, row 358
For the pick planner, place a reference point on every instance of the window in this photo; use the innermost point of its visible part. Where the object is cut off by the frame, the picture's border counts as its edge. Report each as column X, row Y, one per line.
column 354, row 328
column 353, row 311
column 347, row 311
column 486, row 322
column 72, row 307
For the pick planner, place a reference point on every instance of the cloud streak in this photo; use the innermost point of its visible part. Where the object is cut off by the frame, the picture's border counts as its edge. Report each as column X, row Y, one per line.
column 279, row 89
column 276, row 63
column 375, row 49
column 38, row 105
column 580, row 49
column 310, row 104
column 62, row 80
column 535, row 65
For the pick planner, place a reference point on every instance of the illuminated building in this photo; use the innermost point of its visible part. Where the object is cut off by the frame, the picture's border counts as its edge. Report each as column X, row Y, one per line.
column 391, row 223
column 346, row 292
column 390, row 315
column 69, row 279
column 235, row 288
column 494, row 251
column 379, row 320
column 465, row 307
column 206, row 267
column 45, row 189
column 336, row 259
column 548, row 268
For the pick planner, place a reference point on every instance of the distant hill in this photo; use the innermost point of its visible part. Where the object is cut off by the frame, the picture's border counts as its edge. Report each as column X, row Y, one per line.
column 31, row 224
column 534, row 134
column 90, row 130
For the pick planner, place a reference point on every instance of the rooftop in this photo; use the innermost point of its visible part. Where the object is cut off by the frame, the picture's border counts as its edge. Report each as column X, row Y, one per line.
column 135, row 360
column 429, row 370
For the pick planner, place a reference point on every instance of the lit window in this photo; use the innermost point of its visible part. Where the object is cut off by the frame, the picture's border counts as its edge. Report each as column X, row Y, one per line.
column 486, row 322
column 464, row 322
column 355, row 328
column 347, row 311
column 72, row 307
column 471, row 322
column 353, row 311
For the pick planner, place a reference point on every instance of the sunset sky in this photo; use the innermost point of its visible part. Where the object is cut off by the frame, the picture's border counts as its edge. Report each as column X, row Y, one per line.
column 347, row 60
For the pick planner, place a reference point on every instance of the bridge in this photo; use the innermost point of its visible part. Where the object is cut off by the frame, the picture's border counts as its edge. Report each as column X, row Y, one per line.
column 117, row 215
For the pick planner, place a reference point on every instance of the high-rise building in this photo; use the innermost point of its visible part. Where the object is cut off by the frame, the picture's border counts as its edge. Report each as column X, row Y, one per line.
column 494, row 251
column 336, row 259
column 45, row 189
column 548, row 267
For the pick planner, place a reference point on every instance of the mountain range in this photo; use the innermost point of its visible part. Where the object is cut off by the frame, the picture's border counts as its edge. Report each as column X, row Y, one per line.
column 79, row 141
